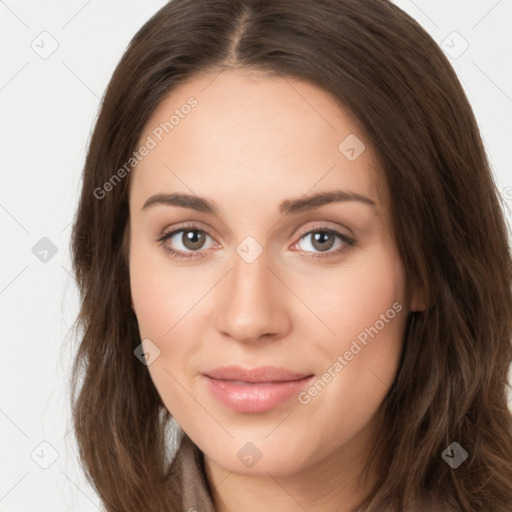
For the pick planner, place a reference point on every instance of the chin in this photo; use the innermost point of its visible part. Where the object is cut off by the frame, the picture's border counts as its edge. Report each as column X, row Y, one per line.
column 260, row 457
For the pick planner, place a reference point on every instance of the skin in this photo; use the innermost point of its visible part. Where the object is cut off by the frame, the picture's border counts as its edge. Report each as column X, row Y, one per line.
column 253, row 141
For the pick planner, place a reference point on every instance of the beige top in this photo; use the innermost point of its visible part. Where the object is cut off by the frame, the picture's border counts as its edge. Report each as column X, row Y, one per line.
column 189, row 464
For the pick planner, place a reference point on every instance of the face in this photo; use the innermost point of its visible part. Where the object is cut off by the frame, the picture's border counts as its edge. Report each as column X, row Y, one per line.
column 250, row 271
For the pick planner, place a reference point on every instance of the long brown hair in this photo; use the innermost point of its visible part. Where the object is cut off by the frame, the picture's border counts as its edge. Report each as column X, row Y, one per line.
column 447, row 219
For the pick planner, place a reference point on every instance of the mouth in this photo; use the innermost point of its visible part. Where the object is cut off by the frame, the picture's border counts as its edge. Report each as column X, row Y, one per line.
column 254, row 390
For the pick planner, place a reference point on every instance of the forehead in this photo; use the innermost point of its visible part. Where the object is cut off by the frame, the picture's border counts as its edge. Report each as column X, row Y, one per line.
column 251, row 135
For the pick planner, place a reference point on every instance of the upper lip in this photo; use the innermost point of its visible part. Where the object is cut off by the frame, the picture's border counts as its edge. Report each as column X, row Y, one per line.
column 259, row 374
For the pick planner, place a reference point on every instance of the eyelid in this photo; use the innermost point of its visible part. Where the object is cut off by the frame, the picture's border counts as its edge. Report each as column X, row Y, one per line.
column 319, row 225
column 190, row 225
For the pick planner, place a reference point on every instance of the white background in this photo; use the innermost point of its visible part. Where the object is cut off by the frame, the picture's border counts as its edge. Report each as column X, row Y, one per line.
column 48, row 107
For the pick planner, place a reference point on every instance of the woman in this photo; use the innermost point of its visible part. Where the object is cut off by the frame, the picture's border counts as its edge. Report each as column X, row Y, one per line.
column 235, row 139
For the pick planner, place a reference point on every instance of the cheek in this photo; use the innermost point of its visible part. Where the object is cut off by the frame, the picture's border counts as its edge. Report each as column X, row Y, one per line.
column 364, row 306
column 152, row 305
column 167, row 301
column 359, row 362
column 161, row 312
column 153, row 297
column 352, row 299
column 159, row 295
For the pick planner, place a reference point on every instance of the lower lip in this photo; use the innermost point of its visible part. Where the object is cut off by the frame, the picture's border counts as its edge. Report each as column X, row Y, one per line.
column 253, row 398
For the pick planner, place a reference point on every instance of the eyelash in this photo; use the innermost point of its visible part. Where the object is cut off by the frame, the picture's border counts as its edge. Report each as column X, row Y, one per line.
column 347, row 241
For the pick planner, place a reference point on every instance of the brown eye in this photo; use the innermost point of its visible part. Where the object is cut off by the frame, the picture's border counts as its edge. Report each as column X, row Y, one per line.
column 193, row 239
column 322, row 240
column 186, row 242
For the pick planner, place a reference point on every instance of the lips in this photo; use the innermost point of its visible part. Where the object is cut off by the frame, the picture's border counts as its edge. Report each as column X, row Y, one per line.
column 254, row 390
column 260, row 375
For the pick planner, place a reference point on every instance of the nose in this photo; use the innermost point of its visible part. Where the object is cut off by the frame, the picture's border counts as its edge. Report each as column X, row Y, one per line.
column 251, row 302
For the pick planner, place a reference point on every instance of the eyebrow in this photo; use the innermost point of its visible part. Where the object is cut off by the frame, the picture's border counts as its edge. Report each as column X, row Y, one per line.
column 287, row 207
